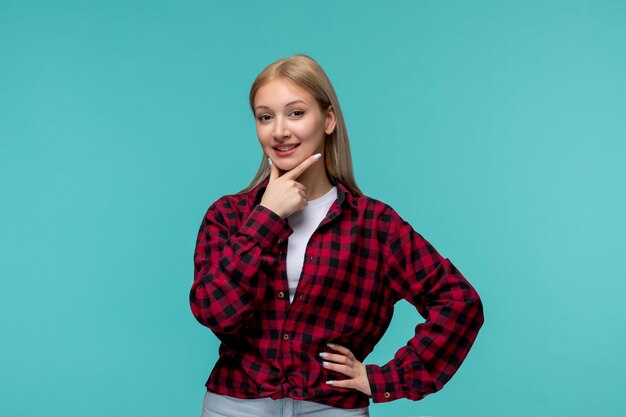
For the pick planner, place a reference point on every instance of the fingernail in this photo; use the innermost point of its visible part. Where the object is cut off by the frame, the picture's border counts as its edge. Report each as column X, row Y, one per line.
column 269, row 161
column 330, row 345
column 325, row 363
column 323, row 354
column 330, row 382
column 317, row 156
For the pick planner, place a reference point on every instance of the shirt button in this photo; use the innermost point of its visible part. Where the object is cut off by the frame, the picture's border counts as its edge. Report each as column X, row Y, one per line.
column 387, row 395
column 281, row 294
column 280, row 241
column 286, row 336
column 311, row 258
column 303, row 297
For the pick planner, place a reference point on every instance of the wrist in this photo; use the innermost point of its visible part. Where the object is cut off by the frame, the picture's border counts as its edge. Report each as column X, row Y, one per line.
column 274, row 210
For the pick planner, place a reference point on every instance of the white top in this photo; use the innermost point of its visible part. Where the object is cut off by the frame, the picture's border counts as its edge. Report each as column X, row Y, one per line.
column 304, row 223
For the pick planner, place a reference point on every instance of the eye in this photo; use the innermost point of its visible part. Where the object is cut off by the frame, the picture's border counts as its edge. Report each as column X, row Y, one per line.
column 297, row 113
column 263, row 117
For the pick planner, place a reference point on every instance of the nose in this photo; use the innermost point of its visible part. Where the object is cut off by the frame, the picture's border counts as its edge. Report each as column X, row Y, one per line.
column 280, row 131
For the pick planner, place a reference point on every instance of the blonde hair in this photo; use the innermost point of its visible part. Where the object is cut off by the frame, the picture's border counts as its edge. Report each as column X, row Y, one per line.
column 306, row 73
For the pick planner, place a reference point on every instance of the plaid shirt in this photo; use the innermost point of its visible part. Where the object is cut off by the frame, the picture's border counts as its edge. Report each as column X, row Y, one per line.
column 359, row 262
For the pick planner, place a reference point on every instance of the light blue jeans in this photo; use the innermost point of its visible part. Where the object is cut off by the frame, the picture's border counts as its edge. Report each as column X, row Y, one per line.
column 216, row 405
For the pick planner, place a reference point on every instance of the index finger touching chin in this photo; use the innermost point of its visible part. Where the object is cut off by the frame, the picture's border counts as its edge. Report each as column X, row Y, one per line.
column 304, row 165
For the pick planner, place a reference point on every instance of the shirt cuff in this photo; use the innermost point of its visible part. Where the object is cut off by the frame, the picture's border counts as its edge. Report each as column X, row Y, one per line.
column 385, row 383
column 266, row 227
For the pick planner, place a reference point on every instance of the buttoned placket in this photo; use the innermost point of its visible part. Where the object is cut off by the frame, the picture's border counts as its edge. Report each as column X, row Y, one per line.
column 300, row 296
column 309, row 257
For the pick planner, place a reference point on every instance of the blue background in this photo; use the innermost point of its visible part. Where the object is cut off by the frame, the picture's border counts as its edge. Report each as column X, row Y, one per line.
column 496, row 128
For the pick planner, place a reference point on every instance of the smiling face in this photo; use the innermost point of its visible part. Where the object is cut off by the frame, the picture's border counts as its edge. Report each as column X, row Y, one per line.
column 290, row 124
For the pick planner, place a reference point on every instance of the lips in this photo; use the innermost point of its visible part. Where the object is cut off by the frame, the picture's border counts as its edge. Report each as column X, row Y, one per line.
column 286, row 148
column 285, row 151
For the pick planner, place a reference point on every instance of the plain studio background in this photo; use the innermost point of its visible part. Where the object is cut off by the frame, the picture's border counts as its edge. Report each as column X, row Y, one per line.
column 495, row 128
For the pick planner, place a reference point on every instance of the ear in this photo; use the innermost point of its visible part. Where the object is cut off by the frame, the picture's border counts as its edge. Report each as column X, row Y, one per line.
column 330, row 120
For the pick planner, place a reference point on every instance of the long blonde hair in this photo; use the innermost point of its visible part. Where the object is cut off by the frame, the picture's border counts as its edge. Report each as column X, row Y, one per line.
column 306, row 73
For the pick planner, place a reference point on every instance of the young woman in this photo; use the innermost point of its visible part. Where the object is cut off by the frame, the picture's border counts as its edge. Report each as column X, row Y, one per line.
column 298, row 274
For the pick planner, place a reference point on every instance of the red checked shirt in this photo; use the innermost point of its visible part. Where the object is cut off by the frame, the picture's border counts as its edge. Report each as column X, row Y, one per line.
column 359, row 262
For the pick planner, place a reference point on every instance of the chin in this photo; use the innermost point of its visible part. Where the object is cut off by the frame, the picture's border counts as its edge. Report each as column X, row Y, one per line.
column 288, row 165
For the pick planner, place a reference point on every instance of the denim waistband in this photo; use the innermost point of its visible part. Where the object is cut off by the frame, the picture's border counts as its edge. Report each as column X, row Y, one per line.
column 216, row 405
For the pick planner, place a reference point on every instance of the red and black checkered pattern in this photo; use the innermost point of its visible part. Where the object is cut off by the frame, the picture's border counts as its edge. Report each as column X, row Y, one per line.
column 360, row 261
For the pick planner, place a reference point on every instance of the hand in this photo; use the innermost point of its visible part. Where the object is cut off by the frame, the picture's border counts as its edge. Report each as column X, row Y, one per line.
column 345, row 363
column 284, row 195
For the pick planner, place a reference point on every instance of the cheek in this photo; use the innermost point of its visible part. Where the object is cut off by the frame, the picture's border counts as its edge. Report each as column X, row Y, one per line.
column 310, row 131
column 262, row 135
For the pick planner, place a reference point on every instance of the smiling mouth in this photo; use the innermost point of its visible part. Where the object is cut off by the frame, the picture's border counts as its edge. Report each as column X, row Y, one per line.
column 286, row 148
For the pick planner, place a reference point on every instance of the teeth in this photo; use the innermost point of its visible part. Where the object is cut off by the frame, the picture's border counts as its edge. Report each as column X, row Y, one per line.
column 285, row 148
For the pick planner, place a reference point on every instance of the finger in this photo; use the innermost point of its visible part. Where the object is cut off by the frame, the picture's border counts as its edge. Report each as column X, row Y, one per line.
column 302, row 205
column 343, row 350
column 336, row 358
column 342, row 369
column 274, row 173
column 346, row 383
column 297, row 171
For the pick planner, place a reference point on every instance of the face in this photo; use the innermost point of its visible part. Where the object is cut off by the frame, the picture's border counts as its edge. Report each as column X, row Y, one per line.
column 290, row 124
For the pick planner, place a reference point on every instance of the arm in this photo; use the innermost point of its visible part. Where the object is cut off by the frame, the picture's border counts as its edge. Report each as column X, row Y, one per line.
column 231, row 265
column 451, row 306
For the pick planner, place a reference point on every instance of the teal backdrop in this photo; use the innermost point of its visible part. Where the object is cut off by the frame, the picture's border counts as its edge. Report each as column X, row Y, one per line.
column 496, row 128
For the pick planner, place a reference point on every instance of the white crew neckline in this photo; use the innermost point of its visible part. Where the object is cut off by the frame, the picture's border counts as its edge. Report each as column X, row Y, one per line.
column 332, row 193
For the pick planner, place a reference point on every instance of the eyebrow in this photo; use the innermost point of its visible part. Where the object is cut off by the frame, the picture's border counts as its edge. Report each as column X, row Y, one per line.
column 286, row 105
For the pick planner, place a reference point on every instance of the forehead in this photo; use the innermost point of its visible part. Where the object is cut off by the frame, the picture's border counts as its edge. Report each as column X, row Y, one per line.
column 280, row 92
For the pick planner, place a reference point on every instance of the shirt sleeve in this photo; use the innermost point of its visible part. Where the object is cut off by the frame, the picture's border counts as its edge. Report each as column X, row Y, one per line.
column 231, row 264
column 452, row 310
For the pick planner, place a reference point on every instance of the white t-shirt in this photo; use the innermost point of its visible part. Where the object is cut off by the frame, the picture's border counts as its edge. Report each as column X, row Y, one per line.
column 304, row 223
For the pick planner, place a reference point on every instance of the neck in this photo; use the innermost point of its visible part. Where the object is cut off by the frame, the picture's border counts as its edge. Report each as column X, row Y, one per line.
column 315, row 181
